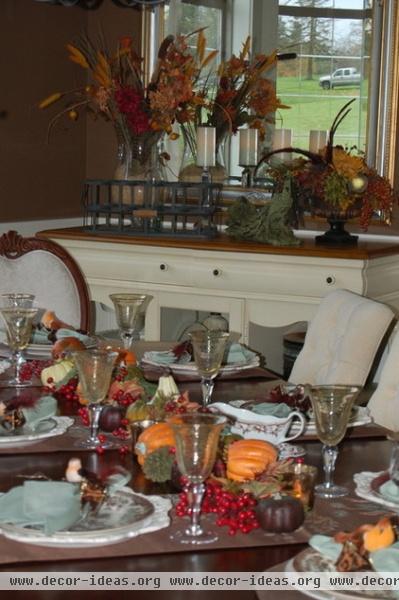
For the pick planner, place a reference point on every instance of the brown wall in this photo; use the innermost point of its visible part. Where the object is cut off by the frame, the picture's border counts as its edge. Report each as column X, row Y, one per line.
column 41, row 180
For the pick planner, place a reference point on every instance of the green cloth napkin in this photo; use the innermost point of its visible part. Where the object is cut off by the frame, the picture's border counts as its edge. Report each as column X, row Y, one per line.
column 49, row 505
column 40, row 336
column 386, row 559
column 45, row 408
column 390, row 491
column 237, row 353
column 35, row 417
column 272, row 409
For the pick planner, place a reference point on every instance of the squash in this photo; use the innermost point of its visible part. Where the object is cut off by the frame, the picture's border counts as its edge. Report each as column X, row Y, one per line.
column 280, row 514
column 248, row 458
column 152, row 438
column 381, row 535
column 57, row 372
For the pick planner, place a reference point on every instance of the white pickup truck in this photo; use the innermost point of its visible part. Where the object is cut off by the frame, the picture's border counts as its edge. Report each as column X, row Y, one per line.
column 347, row 76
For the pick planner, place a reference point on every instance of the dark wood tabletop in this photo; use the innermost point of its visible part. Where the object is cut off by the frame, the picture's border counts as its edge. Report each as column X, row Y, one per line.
column 356, row 454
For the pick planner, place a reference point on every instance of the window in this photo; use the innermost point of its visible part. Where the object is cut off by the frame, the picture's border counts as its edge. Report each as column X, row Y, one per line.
column 353, row 44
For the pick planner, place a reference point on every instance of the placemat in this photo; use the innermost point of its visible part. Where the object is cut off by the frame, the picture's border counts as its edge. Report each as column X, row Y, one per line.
column 351, row 512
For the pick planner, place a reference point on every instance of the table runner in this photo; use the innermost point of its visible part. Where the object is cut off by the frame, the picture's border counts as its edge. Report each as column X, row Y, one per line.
column 328, row 517
column 65, row 442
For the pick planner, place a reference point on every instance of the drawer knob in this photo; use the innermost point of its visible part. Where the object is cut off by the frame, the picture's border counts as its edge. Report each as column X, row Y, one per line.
column 216, row 272
column 163, row 267
column 330, row 280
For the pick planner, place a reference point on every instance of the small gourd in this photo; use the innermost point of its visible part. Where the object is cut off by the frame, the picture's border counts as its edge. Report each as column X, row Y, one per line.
column 57, row 372
column 279, row 513
column 152, row 438
column 248, row 458
column 382, row 535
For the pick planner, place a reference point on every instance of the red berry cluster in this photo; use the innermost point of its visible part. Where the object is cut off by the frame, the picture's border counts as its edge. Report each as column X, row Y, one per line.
column 235, row 511
column 66, row 391
column 33, row 368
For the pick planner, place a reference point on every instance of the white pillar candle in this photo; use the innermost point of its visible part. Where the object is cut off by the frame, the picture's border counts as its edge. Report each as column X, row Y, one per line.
column 282, row 138
column 248, row 147
column 317, row 140
column 206, row 146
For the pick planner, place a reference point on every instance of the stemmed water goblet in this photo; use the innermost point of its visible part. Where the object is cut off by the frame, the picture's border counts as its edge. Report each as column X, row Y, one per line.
column 94, row 371
column 130, row 312
column 209, row 347
column 196, row 437
column 18, row 314
column 332, row 406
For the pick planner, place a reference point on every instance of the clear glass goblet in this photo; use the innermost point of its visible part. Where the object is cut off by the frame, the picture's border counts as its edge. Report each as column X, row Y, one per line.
column 196, row 436
column 130, row 313
column 17, row 299
column 209, row 347
column 94, row 371
column 332, row 406
column 19, row 323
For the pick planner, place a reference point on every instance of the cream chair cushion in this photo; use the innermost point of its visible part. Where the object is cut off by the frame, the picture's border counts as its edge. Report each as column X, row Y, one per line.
column 46, row 276
column 342, row 340
column 384, row 403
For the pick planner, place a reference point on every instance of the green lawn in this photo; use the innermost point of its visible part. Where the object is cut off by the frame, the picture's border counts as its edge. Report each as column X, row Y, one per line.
column 315, row 108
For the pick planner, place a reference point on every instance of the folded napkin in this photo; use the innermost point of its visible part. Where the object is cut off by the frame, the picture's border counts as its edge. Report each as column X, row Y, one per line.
column 166, row 357
column 239, row 354
column 45, row 408
column 236, row 354
column 279, row 409
column 40, row 336
column 48, row 505
column 383, row 560
column 390, row 491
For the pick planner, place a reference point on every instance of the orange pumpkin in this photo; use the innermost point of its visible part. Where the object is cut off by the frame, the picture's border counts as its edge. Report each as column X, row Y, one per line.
column 381, row 535
column 248, row 458
column 152, row 438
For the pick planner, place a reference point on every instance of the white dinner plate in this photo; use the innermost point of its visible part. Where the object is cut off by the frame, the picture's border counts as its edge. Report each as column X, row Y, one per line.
column 190, row 368
column 123, row 515
column 312, row 561
column 39, row 350
column 51, row 427
column 366, row 488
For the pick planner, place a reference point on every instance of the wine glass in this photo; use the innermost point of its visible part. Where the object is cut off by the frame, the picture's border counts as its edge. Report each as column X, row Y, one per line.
column 196, row 436
column 130, row 312
column 94, row 370
column 19, row 322
column 394, row 463
column 332, row 406
column 209, row 347
column 17, row 299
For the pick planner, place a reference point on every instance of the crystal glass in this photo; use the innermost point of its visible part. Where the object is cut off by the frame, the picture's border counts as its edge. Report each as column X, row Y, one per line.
column 21, row 300
column 196, row 436
column 209, row 348
column 94, row 370
column 19, row 323
column 332, row 407
column 130, row 312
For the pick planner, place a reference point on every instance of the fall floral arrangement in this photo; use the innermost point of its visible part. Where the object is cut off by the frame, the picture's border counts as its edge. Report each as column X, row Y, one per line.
column 337, row 182
column 238, row 94
column 116, row 91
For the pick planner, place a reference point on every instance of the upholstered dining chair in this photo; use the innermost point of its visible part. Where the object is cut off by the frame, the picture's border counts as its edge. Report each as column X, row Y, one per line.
column 384, row 403
column 342, row 340
column 45, row 269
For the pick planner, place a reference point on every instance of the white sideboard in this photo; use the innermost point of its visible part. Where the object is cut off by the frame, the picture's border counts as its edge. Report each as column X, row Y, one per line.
column 252, row 283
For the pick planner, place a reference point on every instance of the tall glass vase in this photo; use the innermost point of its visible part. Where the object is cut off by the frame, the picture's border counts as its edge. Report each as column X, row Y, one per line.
column 137, row 160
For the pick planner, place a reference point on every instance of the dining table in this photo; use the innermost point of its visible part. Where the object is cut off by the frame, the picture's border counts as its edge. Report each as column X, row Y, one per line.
column 364, row 448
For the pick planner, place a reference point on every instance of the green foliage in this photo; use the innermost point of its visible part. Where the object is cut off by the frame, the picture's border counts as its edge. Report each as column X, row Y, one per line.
column 158, row 464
